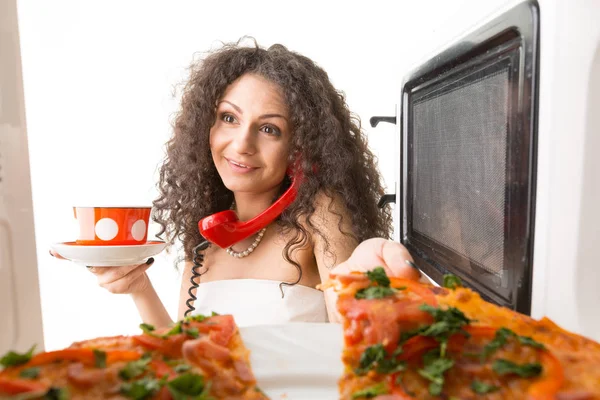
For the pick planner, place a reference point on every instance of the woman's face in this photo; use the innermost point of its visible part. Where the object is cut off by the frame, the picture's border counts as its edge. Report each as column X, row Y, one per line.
column 250, row 139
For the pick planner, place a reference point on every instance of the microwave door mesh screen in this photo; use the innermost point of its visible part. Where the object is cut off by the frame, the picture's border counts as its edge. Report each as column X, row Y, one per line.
column 459, row 164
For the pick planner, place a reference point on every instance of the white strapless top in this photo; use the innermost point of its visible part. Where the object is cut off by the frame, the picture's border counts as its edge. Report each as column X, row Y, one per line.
column 259, row 302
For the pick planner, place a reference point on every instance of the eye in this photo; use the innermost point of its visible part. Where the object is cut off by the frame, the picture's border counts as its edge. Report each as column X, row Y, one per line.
column 228, row 118
column 271, row 130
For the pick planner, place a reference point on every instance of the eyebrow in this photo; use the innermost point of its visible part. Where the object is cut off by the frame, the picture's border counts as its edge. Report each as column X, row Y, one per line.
column 264, row 116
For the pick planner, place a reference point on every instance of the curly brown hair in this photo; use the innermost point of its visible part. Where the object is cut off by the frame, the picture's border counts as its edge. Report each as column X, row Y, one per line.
column 335, row 158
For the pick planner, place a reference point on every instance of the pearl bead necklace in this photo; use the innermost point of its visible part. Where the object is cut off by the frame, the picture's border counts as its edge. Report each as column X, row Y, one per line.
column 245, row 253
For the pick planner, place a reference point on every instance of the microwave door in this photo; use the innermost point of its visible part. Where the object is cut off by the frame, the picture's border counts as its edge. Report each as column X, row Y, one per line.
column 467, row 161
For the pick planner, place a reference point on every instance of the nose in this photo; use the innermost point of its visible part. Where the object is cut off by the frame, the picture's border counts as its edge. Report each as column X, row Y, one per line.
column 245, row 140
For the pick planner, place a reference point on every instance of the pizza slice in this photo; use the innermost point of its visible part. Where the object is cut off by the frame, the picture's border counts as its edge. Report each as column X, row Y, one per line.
column 199, row 358
column 408, row 340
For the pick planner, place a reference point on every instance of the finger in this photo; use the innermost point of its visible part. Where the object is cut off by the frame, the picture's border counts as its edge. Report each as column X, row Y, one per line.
column 365, row 257
column 398, row 260
column 56, row 255
column 125, row 285
column 108, row 275
column 392, row 256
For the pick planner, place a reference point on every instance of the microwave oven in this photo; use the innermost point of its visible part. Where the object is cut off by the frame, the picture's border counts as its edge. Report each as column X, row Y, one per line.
column 497, row 170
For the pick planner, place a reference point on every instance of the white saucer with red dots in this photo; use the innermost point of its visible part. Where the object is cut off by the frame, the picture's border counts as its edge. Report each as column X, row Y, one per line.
column 108, row 256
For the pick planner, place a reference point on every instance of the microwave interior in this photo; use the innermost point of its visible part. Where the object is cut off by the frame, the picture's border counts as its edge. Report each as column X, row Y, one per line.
column 468, row 159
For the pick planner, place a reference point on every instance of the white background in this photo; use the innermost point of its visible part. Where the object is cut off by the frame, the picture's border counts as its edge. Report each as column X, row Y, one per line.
column 99, row 80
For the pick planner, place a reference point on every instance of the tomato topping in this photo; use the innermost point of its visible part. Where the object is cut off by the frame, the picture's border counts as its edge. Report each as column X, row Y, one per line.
column 85, row 356
column 395, row 396
column 170, row 346
column 83, row 377
column 398, row 392
column 546, row 386
column 164, row 394
column 17, row 386
column 352, row 277
column 206, row 348
column 122, row 355
column 162, row 369
column 423, row 291
column 374, row 321
column 220, row 328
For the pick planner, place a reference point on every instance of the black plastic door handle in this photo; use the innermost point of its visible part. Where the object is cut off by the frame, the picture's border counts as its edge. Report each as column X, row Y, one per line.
column 386, row 199
column 375, row 120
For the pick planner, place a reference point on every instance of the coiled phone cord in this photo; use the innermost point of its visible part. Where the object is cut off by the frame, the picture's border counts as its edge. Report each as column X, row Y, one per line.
column 197, row 260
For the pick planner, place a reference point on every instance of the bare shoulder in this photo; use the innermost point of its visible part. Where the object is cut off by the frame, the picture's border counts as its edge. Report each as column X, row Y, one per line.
column 330, row 214
column 330, row 227
column 334, row 240
column 324, row 201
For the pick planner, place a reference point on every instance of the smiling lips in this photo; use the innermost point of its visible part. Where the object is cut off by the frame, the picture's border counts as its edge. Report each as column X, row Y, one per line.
column 239, row 167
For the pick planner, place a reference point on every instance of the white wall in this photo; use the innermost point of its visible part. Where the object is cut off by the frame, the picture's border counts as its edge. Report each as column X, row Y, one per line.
column 99, row 77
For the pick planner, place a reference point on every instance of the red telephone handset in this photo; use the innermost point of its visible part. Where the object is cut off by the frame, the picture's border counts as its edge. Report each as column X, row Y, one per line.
column 224, row 229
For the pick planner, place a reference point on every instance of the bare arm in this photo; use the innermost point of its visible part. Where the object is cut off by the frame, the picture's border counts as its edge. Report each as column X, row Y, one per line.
column 133, row 280
column 150, row 308
column 331, row 219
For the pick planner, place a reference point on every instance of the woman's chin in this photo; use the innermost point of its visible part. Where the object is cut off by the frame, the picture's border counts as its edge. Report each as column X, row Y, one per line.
column 240, row 187
column 250, row 188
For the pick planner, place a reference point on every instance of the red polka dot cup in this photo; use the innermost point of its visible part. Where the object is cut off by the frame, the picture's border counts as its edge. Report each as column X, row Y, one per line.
column 112, row 226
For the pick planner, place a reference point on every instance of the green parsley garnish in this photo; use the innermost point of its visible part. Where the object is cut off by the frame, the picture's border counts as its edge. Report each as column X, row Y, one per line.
column 12, row 359
column 505, row 367
column 179, row 327
column 176, row 329
column 30, row 373
column 57, row 394
column 376, row 358
column 370, row 358
column 382, row 286
column 499, row 340
column 141, row 389
column 434, row 369
column 378, row 276
column 409, row 334
column 188, row 387
column 99, row 358
column 452, row 281
column 370, row 392
column 182, row 368
column 502, row 336
column 527, row 341
column 199, row 317
column 193, row 332
column 374, row 292
column 446, row 323
column 147, row 328
column 482, row 387
column 133, row 369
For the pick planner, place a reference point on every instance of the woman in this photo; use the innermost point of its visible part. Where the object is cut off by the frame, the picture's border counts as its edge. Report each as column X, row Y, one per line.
column 247, row 115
